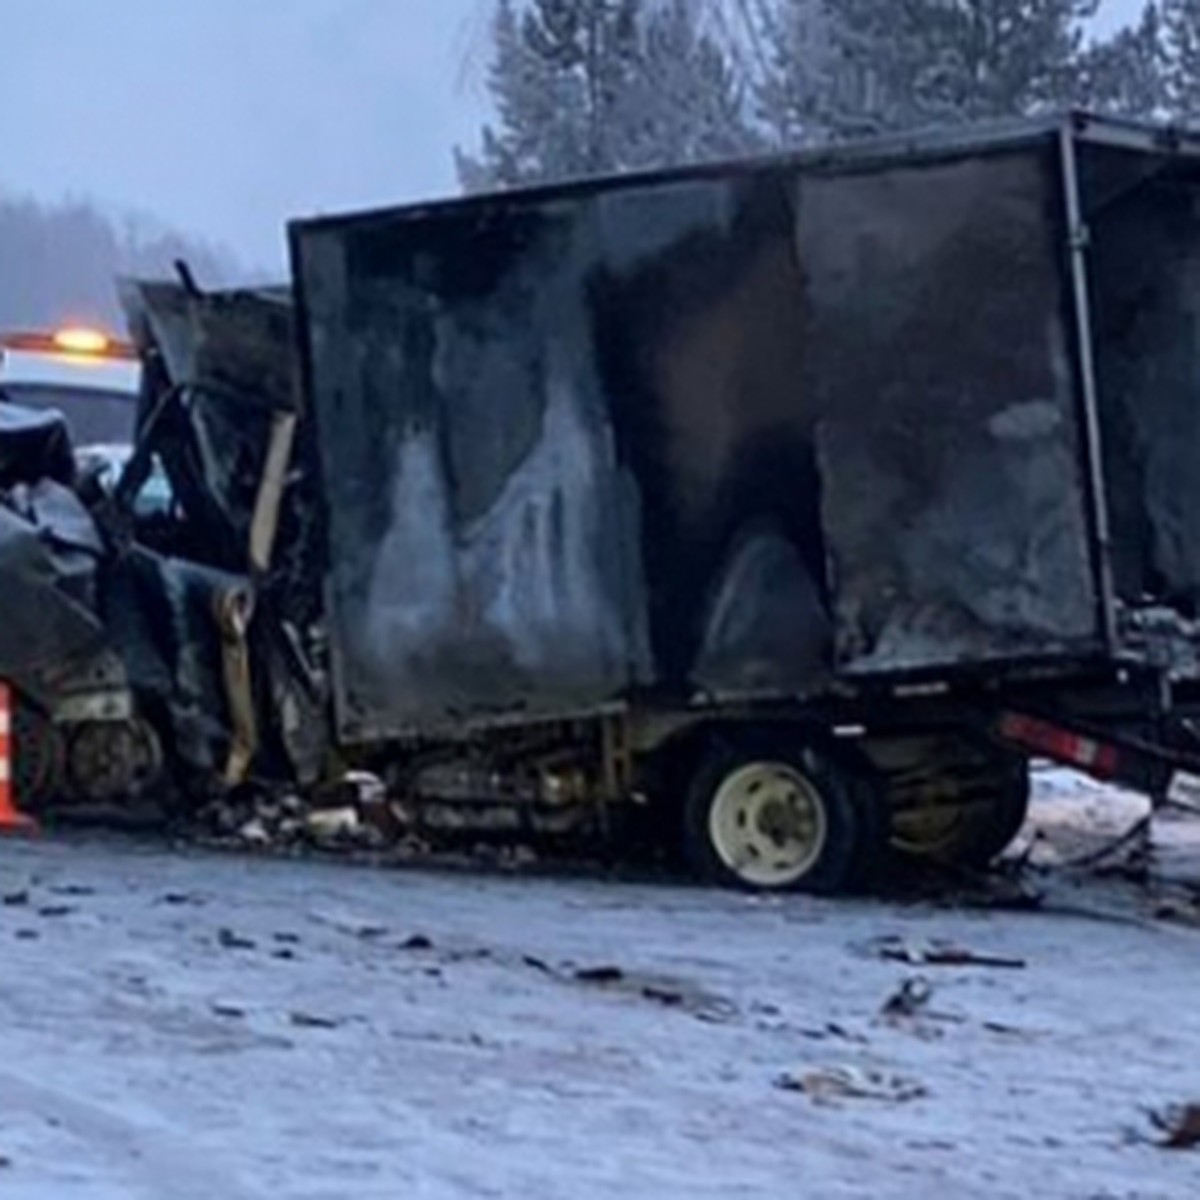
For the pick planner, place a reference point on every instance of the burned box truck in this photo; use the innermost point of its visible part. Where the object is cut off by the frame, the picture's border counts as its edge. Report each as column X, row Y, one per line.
column 791, row 505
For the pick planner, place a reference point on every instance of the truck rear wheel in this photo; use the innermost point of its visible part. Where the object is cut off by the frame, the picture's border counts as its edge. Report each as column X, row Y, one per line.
column 971, row 819
column 766, row 815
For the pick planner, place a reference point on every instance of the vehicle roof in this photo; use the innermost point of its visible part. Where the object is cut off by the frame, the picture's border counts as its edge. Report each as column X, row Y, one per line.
column 78, row 373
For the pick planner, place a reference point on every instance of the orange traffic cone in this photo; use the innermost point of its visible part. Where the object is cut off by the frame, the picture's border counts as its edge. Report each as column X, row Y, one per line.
column 12, row 820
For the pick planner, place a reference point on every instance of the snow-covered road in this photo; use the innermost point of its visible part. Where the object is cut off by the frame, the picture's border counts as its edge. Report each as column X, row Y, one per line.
column 193, row 1026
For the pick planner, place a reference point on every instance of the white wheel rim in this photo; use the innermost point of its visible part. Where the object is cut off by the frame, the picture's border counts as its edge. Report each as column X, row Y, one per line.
column 768, row 824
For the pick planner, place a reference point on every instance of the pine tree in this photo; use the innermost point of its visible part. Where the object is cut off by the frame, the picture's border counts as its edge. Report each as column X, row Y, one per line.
column 1127, row 74
column 584, row 87
column 924, row 62
column 799, row 81
column 1181, row 49
column 685, row 102
column 539, row 111
column 558, row 67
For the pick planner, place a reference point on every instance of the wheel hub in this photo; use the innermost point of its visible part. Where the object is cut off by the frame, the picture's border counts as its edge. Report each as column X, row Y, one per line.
column 768, row 824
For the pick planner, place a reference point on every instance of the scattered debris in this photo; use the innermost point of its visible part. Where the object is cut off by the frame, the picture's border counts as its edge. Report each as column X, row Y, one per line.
column 334, row 824
column 951, row 956
column 381, row 820
column 516, row 857
column 831, row 1029
column 1003, row 1030
column 1179, row 909
column 941, row 954
column 1016, row 863
column 312, row 1021
column 668, row 993
column 599, row 975
column 1135, row 843
column 712, row 1010
column 254, row 833
column 666, row 996
column 830, row 1084
column 353, row 815
column 914, row 995
column 228, row 940
column 369, row 789
column 351, row 924
column 1180, row 1127
column 346, row 816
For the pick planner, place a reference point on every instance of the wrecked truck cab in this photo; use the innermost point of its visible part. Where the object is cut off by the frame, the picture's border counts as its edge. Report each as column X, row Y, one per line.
column 236, row 563
column 88, row 725
column 167, row 694
column 66, row 680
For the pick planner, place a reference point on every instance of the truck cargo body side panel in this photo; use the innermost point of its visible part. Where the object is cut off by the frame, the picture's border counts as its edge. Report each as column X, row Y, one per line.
column 699, row 311
column 1143, row 212
column 953, row 460
column 719, row 435
column 481, row 528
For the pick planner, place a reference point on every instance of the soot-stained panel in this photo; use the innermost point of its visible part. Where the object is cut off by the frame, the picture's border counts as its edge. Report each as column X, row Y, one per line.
column 480, row 525
column 717, row 436
column 1144, row 213
column 697, row 304
column 954, row 487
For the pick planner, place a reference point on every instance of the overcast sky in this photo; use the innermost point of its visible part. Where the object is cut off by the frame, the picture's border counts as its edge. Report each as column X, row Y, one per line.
column 226, row 117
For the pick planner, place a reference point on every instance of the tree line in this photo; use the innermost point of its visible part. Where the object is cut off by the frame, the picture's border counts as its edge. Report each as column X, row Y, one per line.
column 59, row 262
column 589, row 86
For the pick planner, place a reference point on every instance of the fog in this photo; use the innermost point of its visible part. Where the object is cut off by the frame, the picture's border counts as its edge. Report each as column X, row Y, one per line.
column 225, row 117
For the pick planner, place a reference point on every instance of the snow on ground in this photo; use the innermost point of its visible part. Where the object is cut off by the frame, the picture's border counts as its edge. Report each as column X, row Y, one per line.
column 183, row 1025
column 1076, row 817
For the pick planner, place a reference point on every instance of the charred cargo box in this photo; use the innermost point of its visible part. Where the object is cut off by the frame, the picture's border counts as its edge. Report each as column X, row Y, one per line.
column 757, row 430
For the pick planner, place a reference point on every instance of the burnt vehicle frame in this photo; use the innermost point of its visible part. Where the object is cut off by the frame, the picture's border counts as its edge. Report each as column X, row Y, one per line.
column 905, row 702
column 1134, row 667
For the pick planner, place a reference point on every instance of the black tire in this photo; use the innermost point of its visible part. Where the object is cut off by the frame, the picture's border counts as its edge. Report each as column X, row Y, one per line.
column 991, row 830
column 839, row 827
column 874, row 853
column 979, row 830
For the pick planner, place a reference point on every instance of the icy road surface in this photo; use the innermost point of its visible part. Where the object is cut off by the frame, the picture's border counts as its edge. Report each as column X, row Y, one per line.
column 192, row 1027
